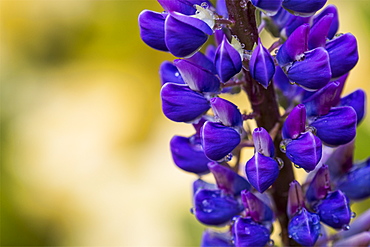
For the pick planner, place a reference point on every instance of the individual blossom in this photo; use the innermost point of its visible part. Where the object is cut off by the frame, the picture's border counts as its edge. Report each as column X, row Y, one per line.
column 249, row 233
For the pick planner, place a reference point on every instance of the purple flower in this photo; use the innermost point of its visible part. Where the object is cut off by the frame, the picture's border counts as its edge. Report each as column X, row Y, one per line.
column 271, row 6
column 334, row 25
column 152, row 29
column 255, row 208
column 303, row 7
column 319, row 186
column 226, row 112
column 212, row 238
column 249, row 233
column 182, row 6
column 304, row 227
column 261, row 65
column 169, row 73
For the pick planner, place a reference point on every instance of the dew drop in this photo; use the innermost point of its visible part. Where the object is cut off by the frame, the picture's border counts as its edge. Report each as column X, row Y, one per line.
column 290, row 236
column 243, row 3
column 353, row 214
column 283, row 145
column 280, row 162
column 345, row 227
column 297, row 166
column 228, row 157
column 271, row 243
column 204, row 5
column 192, row 210
column 247, row 231
column 177, row 74
column 207, row 206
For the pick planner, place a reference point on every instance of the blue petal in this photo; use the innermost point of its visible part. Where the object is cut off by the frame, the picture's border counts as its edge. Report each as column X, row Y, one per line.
column 319, row 32
column 255, row 208
column 203, row 61
column 213, row 208
column 218, row 140
column 221, row 8
column 357, row 100
column 343, row 54
column 319, row 186
column 200, row 184
column 294, row 46
column 338, row 127
column 261, row 65
column 184, row 35
column 293, row 23
column 227, row 112
column 169, row 73
column 305, row 151
column 290, row 92
column 262, row 171
column 212, row 238
column 181, row 104
column 249, row 233
column 334, row 210
column 313, row 72
column 152, row 29
column 303, row 7
column 356, row 184
column 189, row 155
column 198, row 78
column 182, row 6
column 322, row 100
column 295, row 123
column 263, row 142
column 275, row 23
column 227, row 179
column 227, row 60
column 330, row 9
column 304, row 228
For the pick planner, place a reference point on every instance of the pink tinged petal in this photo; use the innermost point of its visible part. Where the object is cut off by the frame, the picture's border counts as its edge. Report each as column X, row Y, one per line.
column 188, row 156
column 295, row 123
column 330, row 9
column 322, row 100
column 198, row 78
column 152, row 29
column 261, row 65
column 341, row 160
column 218, row 140
column 294, row 46
column 255, row 208
column 295, row 199
column 305, row 151
column 185, row 35
column 227, row 60
column 226, row 112
column 262, row 171
column 319, row 32
column 338, row 127
column 319, row 186
column 313, row 72
column 181, row 104
column 343, row 54
column 263, row 142
column 228, row 180
column 359, row 240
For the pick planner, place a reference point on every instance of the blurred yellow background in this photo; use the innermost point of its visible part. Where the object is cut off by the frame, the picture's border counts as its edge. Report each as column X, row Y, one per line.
column 84, row 144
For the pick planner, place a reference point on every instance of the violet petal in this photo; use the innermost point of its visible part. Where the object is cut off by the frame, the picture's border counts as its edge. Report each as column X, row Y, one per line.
column 152, row 29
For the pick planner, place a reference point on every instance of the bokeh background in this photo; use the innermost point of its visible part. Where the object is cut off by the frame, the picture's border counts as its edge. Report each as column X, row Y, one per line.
column 84, row 144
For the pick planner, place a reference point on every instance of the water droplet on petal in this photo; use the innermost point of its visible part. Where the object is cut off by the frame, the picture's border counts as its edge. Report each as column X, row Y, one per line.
column 271, row 243
column 204, row 5
column 297, row 166
column 192, row 210
column 207, row 206
column 290, row 236
column 353, row 214
column 243, row 3
column 280, row 162
column 247, row 231
column 345, row 227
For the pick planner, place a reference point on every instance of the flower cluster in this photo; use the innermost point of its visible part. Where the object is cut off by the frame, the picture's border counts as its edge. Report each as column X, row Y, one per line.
column 303, row 72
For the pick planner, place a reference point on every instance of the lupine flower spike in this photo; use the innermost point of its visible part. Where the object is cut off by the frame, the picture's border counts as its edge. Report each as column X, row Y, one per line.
column 298, row 118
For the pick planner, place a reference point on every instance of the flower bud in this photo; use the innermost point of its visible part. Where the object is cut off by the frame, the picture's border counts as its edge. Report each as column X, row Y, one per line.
column 262, row 171
column 261, row 65
column 218, row 140
column 338, row 127
column 330, row 9
column 304, row 227
column 319, row 32
column 228, row 180
column 263, row 142
column 227, row 112
column 184, row 35
column 181, row 104
column 249, row 233
column 152, row 29
column 255, row 208
column 198, row 78
column 189, row 155
column 295, row 199
column 228, row 60
column 334, row 210
column 295, row 124
column 213, row 208
column 319, row 186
